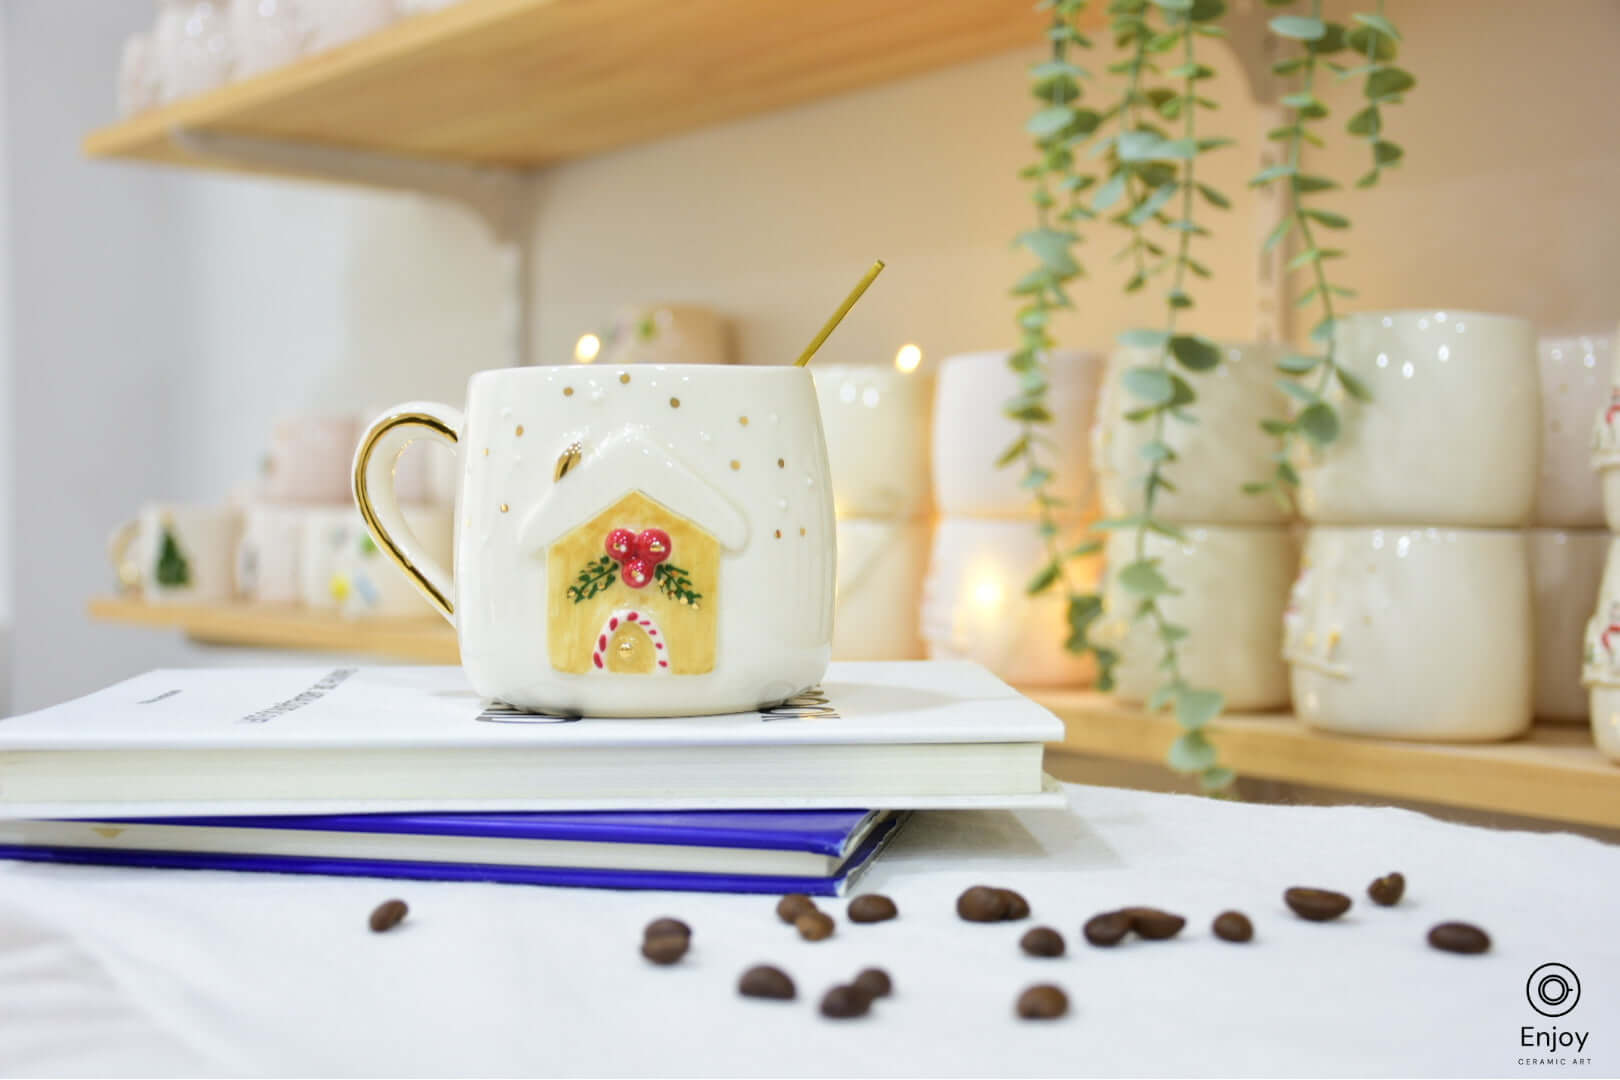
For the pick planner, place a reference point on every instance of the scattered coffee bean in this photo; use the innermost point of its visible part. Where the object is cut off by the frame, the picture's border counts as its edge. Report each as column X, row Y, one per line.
column 874, row 983
column 1108, row 928
column 872, row 908
column 665, row 948
column 765, row 981
column 1459, row 937
column 982, row 904
column 1044, row 1002
column 387, row 915
column 661, row 927
column 1317, row 905
column 814, row 925
column 1042, row 941
column 1387, row 890
column 1233, row 926
column 791, row 906
column 1017, row 906
column 1153, row 924
column 845, row 1003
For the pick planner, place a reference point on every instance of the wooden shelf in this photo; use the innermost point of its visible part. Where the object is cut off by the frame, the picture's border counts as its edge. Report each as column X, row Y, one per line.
column 525, row 83
column 427, row 639
column 1554, row 773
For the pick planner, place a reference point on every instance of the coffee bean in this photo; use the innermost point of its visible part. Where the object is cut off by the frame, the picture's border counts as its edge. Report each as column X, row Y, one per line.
column 1043, row 1002
column 982, row 904
column 665, row 948
column 1017, row 906
column 872, row 908
column 1108, row 928
column 1042, row 941
column 1387, row 890
column 661, row 927
column 765, row 981
column 388, row 915
column 791, row 906
column 1459, row 937
column 1153, row 924
column 1317, row 905
column 874, row 983
column 814, row 925
column 1233, row 926
column 845, row 1003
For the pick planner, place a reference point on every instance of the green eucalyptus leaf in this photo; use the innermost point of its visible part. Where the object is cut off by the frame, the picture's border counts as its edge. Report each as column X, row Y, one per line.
column 1307, row 184
column 1178, row 299
column 1195, row 353
column 1365, row 38
column 1300, row 100
column 1017, row 450
column 1192, row 753
column 1049, row 121
column 1196, row 708
column 1052, row 69
column 1298, row 27
column 1084, row 548
column 1387, row 81
column 1276, row 428
column 1298, row 392
column 1352, row 385
column 1379, row 24
column 1331, row 41
column 1137, row 145
column 1298, row 363
column 1266, row 176
column 1206, row 11
column 1365, row 123
column 1216, row 779
column 1367, row 180
column 1304, row 258
column 1150, row 384
column 1051, row 246
column 1213, row 197
column 1289, row 66
column 1165, row 529
column 1319, row 423
column 1182, row 393
column 1144, row 339
column 1175, row 150
column 1155, row 451
column 1322, row 332
column 1044, row 579
column 1387, row 153
column 1287, row 475
column 1330, row 220
column 1110, row 193
column 1214, row 142
column 1174, row 5
column 1037, row 477
column 1143, row 578
column 1276, row 235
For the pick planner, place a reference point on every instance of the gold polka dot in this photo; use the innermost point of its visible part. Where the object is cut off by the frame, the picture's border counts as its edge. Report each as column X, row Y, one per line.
column 801, row 530
column 743, row 420
column 486, row 451
column 781, row 464
column 779, row 534
column 504, row 508
column 735, row 465
column 520, row 429
column 568, row 391
column 624, row 376
column 674, row 402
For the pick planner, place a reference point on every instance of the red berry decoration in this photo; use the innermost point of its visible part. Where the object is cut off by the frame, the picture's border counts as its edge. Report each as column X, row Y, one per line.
column 652, row 546
column 637, row 573
column 621, row 544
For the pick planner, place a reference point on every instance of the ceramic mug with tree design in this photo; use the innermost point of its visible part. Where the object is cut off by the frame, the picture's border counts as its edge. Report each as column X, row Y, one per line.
column 629, row 541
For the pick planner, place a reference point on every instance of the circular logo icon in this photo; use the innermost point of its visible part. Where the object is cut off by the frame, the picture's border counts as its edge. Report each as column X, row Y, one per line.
column 1553, row 990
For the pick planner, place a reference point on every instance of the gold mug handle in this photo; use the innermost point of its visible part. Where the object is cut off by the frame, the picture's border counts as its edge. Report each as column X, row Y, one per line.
column 374, row 462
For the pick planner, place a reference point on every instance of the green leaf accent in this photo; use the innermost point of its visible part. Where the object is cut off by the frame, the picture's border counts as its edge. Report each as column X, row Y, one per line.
column 1192, row 753
column 1143, row 578
column 1051, row 246
column 1298, row 363
column 1330, row 220
column 1156, row 450
column 1044, row 579
column 1144, row 339
column 1049, row 121
column 1390, row 80
column 1137, row 145
column 1013, row 452
column 172, row 570
column 1195, row 708
column 1215, row 198
column 1305, row 185
column 1352, row 385
column 1150, row 384
column 1275, row 236
column 1266, row 176
column 1378, row 23
column 1298, row 392
column 1365, row 123
column 1319, row 423
column 598, row 574
column 1363, row 38
column 1112, row 190
column 1152, row 204
column 1216, row 779
column 1386, row 153
column 1298, row 27
column 1195, row 353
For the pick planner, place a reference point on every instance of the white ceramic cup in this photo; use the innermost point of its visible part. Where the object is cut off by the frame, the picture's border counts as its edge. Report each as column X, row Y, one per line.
column 137, row 75
column 876, row 421
column 179, row 554
column 1600, row 660
column 881, row 566
column 975, row 606
column 268, row 34
column 192, row 46
column 335, row 22
column 1575, row 386
column 1566, row 567
column 971, row 432
column 1412, row 632
column 1217, row 455
column 1234, row 583
column 637, row 541
column 268, row 556
column 326, row 533
column 1606, row 721
column 666, row 334
column 366, row 582
column 1452, row 435
column 309, row 458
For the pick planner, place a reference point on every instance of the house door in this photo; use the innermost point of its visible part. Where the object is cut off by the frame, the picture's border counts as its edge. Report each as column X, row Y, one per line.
column 630, row 651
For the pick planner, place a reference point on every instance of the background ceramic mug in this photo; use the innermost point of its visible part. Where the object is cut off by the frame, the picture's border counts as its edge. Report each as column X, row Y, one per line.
column 179, row 554
column 639, row 541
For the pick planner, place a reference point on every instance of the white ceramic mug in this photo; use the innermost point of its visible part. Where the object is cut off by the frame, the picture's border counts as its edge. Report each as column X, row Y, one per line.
column 666, row 334
column 326, row 532
column 179, row 554
column 1566, row 567
column 1412, row 632
column 971, row 432
column 1600, row 661
column 1217, row 455
column 876, row 421
column 1452, row 435
column 309, row 458
column 334, row 22
column 1234, row 583
column 881, row 566
column 637, row 541
column 192, row 46
column 269, row 555
column 976, row 607
column 1575, row 385
column 268, row 33
column 137, row 75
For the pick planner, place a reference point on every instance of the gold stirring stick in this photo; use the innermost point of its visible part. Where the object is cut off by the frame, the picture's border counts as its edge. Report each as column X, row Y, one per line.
column 838, row 316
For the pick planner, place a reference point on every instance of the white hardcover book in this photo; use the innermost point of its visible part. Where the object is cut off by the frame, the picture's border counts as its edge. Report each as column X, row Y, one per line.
column 898, row 735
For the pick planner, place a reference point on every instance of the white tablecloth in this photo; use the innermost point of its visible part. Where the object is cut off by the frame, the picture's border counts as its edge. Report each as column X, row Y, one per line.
column 169, row 973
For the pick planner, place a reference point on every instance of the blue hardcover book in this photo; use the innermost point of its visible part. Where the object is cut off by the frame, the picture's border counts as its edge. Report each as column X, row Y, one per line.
column 819, row 852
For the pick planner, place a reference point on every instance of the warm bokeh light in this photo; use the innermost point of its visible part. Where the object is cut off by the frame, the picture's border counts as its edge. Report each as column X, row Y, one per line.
column 907, row 359
column 586, row 348
column 987, row 594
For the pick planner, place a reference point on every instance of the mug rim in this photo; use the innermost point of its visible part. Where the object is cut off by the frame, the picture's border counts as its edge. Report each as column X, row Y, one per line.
column 535, row 370
column 1431, row 312
column 1482, row 530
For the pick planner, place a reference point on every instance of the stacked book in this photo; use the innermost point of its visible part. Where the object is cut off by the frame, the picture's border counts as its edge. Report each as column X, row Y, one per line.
column 405, row 772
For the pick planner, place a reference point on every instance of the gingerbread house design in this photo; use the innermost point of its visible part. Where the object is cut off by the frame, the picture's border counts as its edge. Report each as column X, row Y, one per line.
column 633, row 541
